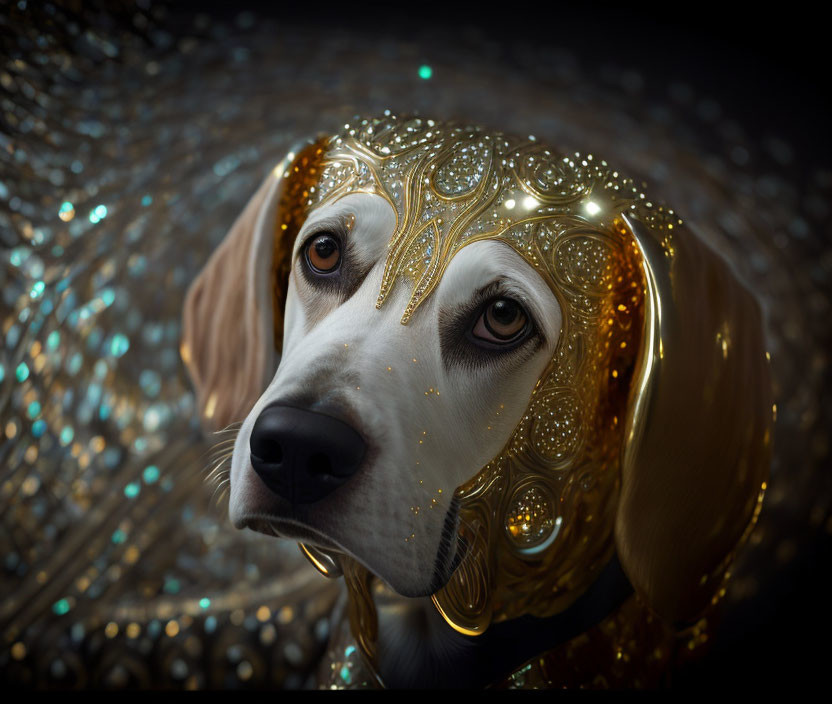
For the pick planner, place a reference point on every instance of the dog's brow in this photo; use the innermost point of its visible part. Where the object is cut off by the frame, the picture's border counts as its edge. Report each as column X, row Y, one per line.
column 340, row 223
column 488, row 268
column 503, row 285
column 526, row 295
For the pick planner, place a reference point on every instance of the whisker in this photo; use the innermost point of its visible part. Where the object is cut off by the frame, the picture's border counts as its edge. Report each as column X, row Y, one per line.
column 230, row 428
column 210, row 455
column 221, row 449
column 221, row 487
column 218, row 479
column 223, row 452
column 218, row 466
column 221, row 457
column 225, row 441
column 223, row 444
column 222, row 496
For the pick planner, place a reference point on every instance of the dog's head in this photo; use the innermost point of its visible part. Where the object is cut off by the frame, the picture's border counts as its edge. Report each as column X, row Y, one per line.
column 477, row 366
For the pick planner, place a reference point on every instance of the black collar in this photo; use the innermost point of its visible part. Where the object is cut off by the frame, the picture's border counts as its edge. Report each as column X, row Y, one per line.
column 424, row 652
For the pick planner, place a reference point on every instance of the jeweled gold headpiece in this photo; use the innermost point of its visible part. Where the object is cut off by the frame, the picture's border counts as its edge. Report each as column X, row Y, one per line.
column 648, row 433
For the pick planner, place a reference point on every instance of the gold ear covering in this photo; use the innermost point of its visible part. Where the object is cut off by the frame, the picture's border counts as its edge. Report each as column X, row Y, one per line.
column 301, row 173
column 698, row 436
column 539, row 518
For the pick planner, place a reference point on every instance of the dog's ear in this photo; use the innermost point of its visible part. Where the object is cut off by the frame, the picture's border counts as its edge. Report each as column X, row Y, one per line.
column 233, row 316
column 698, row 434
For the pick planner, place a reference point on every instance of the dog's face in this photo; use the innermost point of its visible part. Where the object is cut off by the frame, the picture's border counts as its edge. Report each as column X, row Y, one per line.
column 477, row 367
column 433, row 400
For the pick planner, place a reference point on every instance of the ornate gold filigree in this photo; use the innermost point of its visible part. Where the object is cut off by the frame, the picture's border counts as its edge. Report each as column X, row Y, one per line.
column 300, row 174
column 539, row 519
column 452, row 185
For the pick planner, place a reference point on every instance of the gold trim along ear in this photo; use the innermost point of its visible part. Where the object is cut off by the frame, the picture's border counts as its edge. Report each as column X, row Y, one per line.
column 672, row 470
column 698, row 433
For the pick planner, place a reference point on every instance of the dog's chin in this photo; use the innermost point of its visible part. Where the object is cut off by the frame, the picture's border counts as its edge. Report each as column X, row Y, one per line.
column 289, row 529
column 286, row 528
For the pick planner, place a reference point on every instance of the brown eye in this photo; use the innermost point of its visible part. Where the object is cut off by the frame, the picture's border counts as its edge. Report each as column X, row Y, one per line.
column 323, row 253
column 502, row 321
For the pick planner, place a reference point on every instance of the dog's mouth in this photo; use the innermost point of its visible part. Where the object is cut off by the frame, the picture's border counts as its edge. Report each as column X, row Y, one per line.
column 325, row 553
column 451, row 550
column 287, row 528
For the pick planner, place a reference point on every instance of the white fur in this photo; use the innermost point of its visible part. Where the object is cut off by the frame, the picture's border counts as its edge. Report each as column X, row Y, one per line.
column 430, row 427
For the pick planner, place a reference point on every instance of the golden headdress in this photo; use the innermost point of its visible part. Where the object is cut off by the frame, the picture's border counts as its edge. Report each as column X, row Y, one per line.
column 648, row 432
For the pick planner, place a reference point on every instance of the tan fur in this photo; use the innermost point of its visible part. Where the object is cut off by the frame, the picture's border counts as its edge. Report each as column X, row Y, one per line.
column 227, row 334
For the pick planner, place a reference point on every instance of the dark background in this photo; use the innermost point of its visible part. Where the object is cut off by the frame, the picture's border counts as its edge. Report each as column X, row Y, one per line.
column 768, row 66
column 764, row 65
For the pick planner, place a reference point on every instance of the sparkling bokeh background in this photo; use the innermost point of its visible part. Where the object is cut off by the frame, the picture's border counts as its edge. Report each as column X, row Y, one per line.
column 132, row 134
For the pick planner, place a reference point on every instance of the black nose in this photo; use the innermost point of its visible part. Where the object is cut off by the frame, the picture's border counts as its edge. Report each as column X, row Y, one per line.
column 302, row 455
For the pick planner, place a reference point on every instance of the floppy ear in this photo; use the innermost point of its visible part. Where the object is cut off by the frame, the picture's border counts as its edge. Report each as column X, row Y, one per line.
column 233, row 316
column 698, row 432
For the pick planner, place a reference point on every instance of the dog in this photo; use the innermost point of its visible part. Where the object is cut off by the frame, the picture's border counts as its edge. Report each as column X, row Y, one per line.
column 494, row 385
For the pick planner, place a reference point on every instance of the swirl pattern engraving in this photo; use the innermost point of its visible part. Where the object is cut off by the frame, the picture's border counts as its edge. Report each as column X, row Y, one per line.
column 451, row 185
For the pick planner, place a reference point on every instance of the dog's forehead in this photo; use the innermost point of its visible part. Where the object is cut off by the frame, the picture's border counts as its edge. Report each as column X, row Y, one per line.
column 487, row 262
column 370, row 223
column 451, row 185
column 368, row 218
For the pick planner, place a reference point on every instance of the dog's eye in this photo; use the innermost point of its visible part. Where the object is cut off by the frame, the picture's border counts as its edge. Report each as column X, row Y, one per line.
column 323, row 253
column 502, row 321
